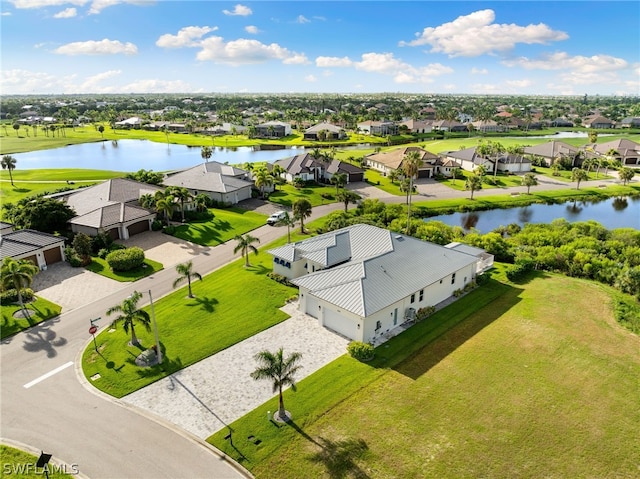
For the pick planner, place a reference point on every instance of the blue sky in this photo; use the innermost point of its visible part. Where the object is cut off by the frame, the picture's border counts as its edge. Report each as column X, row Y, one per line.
column 141, row 46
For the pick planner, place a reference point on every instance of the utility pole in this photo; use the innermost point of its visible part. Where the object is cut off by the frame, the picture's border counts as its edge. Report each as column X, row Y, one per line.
column 155, row 327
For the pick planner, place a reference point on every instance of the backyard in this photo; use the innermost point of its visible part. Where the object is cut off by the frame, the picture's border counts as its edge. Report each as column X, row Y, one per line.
column 499, row 384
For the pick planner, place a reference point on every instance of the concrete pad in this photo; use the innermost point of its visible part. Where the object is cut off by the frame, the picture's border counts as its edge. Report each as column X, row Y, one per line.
column 73, row 287
column 163, row 248
column 208, row 395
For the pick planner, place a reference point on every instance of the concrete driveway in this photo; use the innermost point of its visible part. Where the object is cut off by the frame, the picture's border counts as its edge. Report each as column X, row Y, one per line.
column 165, row 249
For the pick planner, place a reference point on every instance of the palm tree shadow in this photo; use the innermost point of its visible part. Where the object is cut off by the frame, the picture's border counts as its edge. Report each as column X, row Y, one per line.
column 258, row 269
column 43, row 338
column 206, row 303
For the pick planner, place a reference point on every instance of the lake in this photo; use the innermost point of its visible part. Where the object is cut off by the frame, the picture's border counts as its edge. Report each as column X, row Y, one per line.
column 133, row 155
column 611, row 213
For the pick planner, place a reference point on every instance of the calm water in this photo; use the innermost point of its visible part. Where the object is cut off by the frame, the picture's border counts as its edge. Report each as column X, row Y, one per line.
column 611, row 213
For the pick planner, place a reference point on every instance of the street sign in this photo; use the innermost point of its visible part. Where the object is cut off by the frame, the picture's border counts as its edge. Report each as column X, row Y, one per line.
column 93, row 329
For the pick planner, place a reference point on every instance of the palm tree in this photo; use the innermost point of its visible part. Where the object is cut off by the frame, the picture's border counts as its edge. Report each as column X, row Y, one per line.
column 393, row 176
column 206, row 153
column 201, row 201
column 181, row 194
column 280, row 371
column 165, row 205
column 9, row 163
column 410, row 165
column 347, row 196
column 578, row 175
column 262, row 178
column 289, row 222
column 529, row 180
column 147, row 201
column 301, row 210
column 626, row 174
column 101, row 130
column 185, row 270
column 129, row 314
column 474, row 182
column 18, row 274
column 245, row 246
column 339, row 179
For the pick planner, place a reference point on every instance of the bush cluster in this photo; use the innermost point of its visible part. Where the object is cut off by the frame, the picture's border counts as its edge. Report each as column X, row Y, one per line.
column 361, row 351
column 280, row 279
column 10, row 296
column 519, row 270
column 424, row 313
column 125, row 259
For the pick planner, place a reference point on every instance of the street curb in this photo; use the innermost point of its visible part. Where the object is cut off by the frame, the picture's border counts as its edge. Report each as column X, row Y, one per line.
column 153, row 417
column 36, row 452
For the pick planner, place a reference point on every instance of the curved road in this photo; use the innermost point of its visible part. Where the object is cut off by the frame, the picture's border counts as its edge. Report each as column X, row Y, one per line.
column 45, row 405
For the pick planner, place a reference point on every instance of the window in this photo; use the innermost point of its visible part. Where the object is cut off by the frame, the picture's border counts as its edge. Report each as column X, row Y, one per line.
column 413, row 298
column 453, row 278
column 421, row 295
column 378, row 325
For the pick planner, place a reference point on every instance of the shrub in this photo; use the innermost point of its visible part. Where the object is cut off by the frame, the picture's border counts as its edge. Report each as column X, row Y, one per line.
column 102, row 254
column 280, row 279
column 156, row 225
column 101, row 241
column 458, row 292
column 72, row 257
column 361, row 351
column 10, row 296
column 125, row 259
column 170, row 230
column 424, row 313
column 519, row 270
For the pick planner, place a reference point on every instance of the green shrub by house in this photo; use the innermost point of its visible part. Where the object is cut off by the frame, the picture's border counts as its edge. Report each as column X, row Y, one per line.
column 360, row 351
column 125, row 259
column 10, row 296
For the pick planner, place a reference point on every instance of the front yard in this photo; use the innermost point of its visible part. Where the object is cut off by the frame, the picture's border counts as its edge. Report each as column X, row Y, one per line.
column 40, row 311
column 225, row 225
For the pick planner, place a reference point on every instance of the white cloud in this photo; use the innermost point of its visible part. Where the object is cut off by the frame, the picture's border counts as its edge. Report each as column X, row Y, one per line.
column 325, row 62
column 485, row 88
column 243, row 51
column 5, row 14
column 310, row 79
column 477, row 34
column 45, row 3
column 479, row 71
column 102, row 47
column 66, row 13
column 98, row 5
column 563, row 61
column 519, row 83
column 302, row 19
column 241, row 10
column 251, row 29
column 185, row 38
column 386, row 63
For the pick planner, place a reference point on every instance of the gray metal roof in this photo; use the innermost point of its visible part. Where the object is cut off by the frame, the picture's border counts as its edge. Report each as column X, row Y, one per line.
column 20, row 242
column 111, row 215
column 381, row 274
column 211, row 176
column 552, row 149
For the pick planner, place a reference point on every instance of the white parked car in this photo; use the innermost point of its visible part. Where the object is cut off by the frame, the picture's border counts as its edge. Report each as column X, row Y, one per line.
column 275, row 217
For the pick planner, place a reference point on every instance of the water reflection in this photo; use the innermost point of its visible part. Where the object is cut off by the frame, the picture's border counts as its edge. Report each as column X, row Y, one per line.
column 573, row 209
column 524, row 215
column 469, row 220
column 620, row 204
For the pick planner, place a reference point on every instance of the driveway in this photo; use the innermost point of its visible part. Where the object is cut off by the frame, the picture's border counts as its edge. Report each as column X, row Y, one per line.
column 165, row 249
column 216, row 391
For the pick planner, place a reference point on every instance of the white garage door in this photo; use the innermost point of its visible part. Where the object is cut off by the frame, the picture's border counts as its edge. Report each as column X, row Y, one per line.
column 311, row 307
column 340, row 324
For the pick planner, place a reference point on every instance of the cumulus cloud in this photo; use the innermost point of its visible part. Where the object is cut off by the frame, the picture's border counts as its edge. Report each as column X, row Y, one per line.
column 310, row 79
column 302, row 19
column 386, row 63
column 251, row 29
column 101, row 47
column 479, row 71
column 477, row 34
column 242, row 51
column 186, row 37
column 5, row 14
column 66, row 13
column 519, row 83
column 240, row 10
column 45, row 3
column 327, row 62
column 98, row 5
column 563, row 61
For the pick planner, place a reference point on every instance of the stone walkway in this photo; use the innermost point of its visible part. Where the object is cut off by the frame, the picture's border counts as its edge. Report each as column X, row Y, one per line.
column 216, row 391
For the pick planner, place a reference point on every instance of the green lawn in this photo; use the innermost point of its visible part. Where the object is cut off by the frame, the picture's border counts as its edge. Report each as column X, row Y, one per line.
column 41, row 310
column 101, row 267
column 20, row 464
column 226, row 224
column 377, row 179
column 565, row 175
column 32, row 182
column 499, row 384
column 288, row 194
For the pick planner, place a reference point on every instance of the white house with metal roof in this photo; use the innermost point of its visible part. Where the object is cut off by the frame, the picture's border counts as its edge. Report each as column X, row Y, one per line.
column 362, row 281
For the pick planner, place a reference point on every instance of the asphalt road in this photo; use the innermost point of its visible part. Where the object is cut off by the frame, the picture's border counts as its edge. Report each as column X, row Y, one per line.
column 103, row 437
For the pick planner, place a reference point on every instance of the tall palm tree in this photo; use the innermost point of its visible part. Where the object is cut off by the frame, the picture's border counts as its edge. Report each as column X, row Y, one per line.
column 473, row 183
column 206, row 153
column 181, row 194
column 245, row 246
column 626, row 174
column 9, row 163
column 339, row 179
column 578, row 175
column 288, row 221
column 347, row 196
column 165, row 204
column 201, row 201
column 301, row 210
column 185, row 270
column 147, row 201
column 280, row 371
column 262, row 179
column 130, row 314
column 529, row 180
column 18, row 274
column 410, row 165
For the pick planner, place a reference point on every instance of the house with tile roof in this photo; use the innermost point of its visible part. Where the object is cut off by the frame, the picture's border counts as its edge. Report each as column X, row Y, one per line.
column 42, row 249
column 469, row 159
column 222, row 183
column 391, row 160
column 627, row 151
column 330, row 132
column 111, row 207
column 550, row 151
column 304, row 166
column 363, row 281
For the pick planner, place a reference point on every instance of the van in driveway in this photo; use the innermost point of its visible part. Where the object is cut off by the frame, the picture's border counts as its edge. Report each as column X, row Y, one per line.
column 275, row 217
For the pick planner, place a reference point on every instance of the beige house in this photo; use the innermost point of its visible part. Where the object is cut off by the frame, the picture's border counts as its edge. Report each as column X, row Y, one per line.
column 392, row 160
column 42, row 249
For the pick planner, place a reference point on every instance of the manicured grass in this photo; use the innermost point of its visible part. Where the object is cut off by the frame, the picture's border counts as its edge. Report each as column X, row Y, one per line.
column 287, row 194
column 20, row 464
column 101, row 267
column 32, row 182
column 506, row 382
column 565, row 175
column 40, row 310
column 377, row 179
column 225, row 225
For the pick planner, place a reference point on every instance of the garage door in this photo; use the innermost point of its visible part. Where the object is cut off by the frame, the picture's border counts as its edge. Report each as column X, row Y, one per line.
column 33, row 259
column 53, row 255
column 114, row 233
column 311, row 306
column 138, row 227
column 355, row 177
column 340, row 324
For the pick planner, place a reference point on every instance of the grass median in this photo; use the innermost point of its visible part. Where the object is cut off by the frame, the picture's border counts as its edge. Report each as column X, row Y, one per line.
column 506, row 382
column 40, row 310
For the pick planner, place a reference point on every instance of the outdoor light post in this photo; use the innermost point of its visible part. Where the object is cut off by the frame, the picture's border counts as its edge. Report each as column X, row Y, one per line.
column 155, row 327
